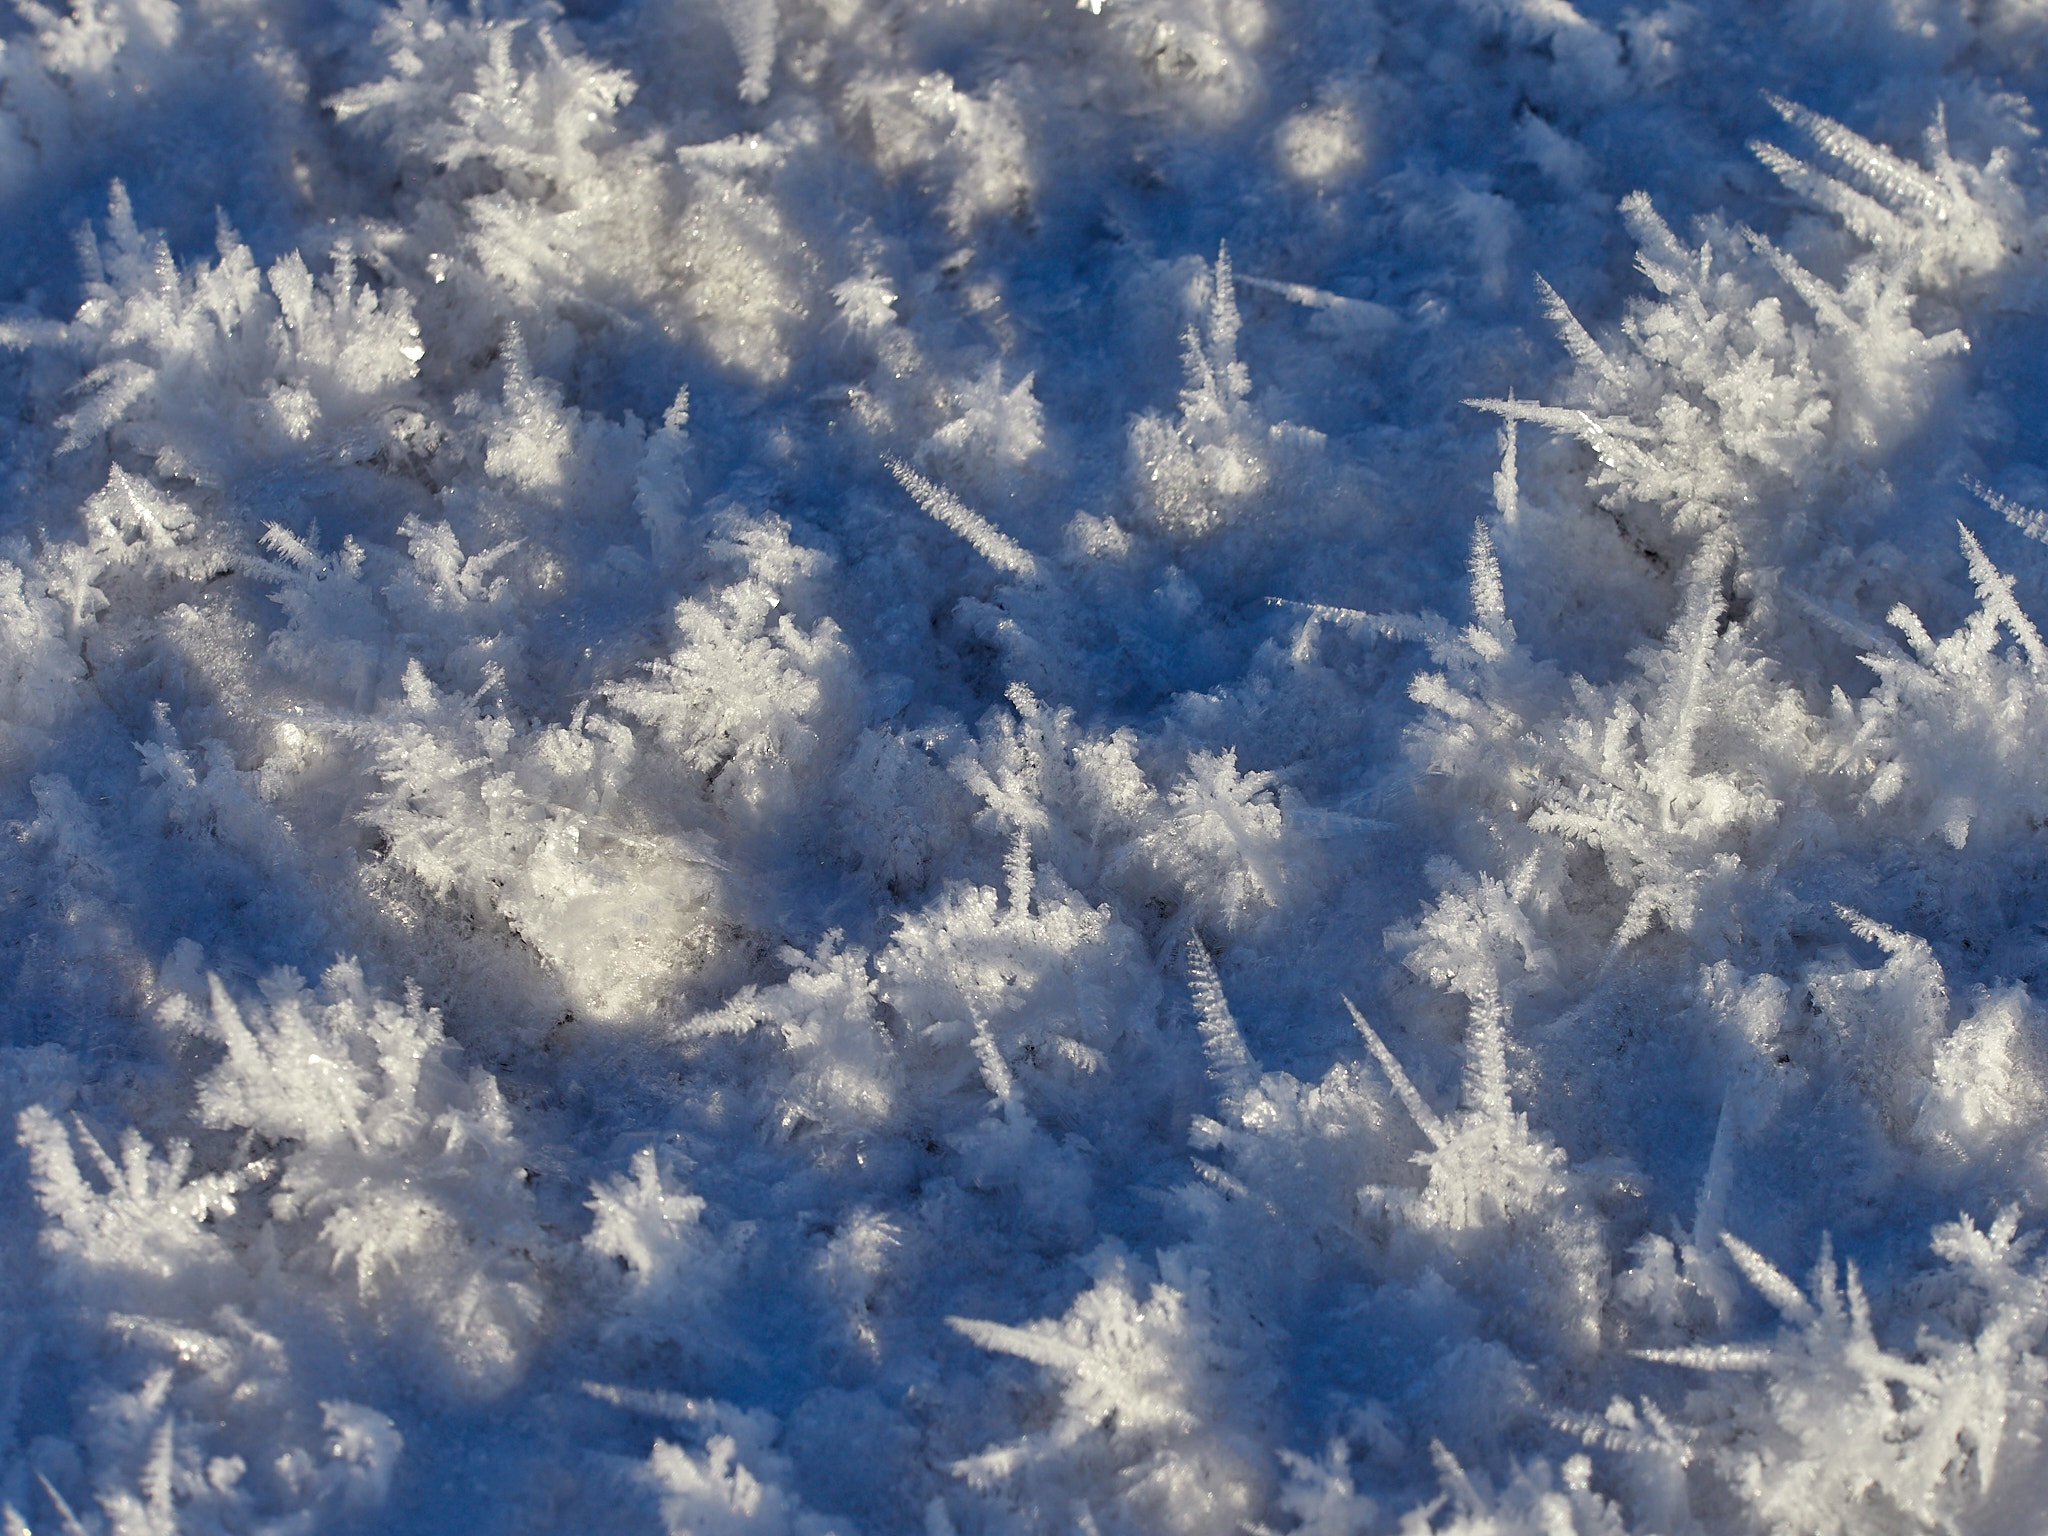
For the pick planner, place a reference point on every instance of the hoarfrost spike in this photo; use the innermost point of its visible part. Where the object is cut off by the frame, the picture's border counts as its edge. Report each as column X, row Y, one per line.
column 1578, row 341
column 1426, row 1119
column 1230, row 1063
column 989, row 541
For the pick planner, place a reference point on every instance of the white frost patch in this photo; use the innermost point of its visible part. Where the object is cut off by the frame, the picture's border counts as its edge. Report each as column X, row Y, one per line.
column 1157, row 766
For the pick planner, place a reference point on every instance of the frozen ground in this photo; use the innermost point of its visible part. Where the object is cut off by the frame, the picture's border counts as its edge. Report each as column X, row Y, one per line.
column 879, row 766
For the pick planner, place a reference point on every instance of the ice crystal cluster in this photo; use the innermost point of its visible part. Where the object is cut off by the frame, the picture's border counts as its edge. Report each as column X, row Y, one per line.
column 1000, row 768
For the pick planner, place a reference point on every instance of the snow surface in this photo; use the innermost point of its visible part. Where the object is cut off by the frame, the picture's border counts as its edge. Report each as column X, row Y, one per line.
column 880, row 766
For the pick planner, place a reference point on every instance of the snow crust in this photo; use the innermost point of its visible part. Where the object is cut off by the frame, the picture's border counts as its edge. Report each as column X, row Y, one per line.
column 980, row 767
